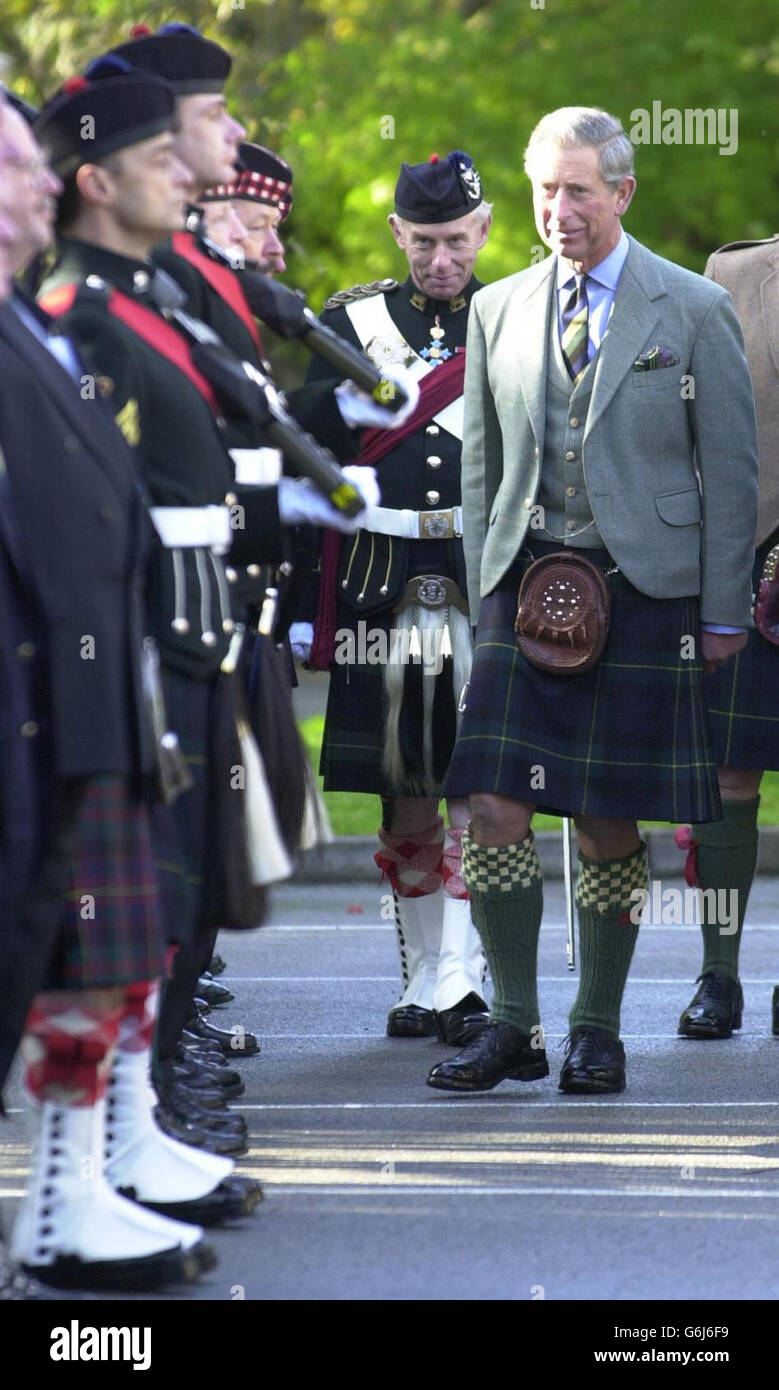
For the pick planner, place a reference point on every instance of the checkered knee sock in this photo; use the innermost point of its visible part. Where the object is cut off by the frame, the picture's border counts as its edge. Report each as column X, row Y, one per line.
column 68, row 1044
column 607, row 936
column 507, row 901
column 412, row 863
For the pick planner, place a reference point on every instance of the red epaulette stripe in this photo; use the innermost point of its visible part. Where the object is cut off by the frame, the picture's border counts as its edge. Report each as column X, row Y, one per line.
column 220, row 278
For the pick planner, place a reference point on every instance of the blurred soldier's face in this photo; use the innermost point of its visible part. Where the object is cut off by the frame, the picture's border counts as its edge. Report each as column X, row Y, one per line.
column 144, row 192
column 207, row 139
column 441, row 255
column 263, row 243
column 7, row 227
column 29, row 189
column 222, row 225
column 577, row 214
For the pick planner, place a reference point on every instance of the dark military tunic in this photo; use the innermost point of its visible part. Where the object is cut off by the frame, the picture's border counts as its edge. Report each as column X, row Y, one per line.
column 421, row 473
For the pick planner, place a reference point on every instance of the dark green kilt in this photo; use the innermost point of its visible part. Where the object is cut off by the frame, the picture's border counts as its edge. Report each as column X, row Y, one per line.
column 111, row 932
column 627, row 739
column 742, row 696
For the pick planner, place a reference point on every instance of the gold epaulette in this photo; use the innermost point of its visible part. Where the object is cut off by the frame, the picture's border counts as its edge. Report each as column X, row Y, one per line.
column 336, row 301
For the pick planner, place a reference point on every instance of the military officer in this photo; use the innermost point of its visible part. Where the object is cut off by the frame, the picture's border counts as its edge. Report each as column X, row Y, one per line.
column 259, row 197
column 400, row 584
column 741, row 697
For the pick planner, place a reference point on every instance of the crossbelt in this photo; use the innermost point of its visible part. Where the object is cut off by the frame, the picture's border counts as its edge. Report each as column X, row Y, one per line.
column 442, row 524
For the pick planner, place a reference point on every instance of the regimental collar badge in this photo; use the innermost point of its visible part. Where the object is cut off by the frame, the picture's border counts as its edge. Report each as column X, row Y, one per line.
column 420, row 301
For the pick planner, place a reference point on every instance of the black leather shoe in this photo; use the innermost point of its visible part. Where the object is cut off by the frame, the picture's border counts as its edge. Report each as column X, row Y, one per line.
column 213, row 993
column 217, row 965
column 190, row 1106
column 198, row 1076
column 238, row 1044
column 715, row 1009
column 233, row 1198
column 499, row 1053
column 206, row 1046
column 411, row 1022
column 232, row 1143
column 460, row 1025
column 594, row 1063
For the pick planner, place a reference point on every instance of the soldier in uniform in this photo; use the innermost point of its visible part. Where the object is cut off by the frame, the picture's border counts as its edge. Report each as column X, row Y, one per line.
column 393, row 623
column 90, row 936
column 741, row 696
column 583, row 442
column 260, row 199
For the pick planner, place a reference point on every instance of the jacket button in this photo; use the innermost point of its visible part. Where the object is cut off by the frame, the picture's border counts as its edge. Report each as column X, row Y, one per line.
column 106, row 512
column 29, row 729
column 569, row 525
column 528, row 503
column 570, row 455
column 433, row 461
column 432, row 430
column 253, row 571
column 230, row 499
column 433, row 498
column 230, row 574
column 70, row 444
column 570, row 492
column 26, row 651
column 573, row 422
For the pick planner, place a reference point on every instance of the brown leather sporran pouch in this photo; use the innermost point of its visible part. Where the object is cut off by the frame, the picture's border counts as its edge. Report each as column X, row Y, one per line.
column 767, row 603
column 563, row 613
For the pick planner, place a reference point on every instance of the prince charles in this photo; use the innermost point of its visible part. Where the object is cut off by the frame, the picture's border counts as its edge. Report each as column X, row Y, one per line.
column 608, row 417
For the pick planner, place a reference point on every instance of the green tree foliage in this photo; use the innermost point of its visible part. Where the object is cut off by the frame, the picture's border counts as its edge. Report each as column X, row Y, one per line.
column 347, row 89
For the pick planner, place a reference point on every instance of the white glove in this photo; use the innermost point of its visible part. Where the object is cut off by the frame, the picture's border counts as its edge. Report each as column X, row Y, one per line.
column 301, row 635
column 358, row 409
column 300, row 502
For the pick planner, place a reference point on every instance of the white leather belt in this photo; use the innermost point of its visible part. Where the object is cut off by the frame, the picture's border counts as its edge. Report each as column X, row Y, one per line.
column 256, row 466
column 444, row 523
column 181, row 528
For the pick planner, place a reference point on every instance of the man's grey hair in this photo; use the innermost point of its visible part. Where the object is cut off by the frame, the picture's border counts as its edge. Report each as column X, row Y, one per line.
column 483, row 210
column 570, row 127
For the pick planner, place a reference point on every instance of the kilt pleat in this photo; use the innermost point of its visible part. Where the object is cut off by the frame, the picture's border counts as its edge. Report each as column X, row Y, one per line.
column 111, row 929
column 742, row 698
column 627, row 739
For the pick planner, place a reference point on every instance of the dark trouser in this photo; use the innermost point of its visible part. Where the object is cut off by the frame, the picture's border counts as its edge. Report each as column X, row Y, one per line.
column 177, row 1007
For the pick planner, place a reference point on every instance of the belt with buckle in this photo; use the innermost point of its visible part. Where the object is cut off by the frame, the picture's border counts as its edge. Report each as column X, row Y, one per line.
column 432, row 591
column 443, row 524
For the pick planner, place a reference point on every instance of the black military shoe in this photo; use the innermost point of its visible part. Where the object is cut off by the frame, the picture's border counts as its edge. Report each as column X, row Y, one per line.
column 460, row 1025
column 231, row 1143
column 197, row 1076
column 594, row 1063
column 715, row 1009
column 233, row 1044
column 212, row 992
column 217, row 965
column 411, row 1022
column 499, row 1053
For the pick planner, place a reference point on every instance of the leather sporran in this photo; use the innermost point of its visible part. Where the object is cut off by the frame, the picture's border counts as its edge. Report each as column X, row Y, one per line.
column 563, row 613
column 767, row 603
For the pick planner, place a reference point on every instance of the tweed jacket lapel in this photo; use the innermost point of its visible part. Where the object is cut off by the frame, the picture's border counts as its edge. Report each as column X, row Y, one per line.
column 524, row 341
column 633, row 317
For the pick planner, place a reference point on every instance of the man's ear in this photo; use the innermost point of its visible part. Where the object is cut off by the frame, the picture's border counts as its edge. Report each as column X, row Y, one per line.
column 625, row 193
column 484, row 231
column 94, row 184
column 398, row 230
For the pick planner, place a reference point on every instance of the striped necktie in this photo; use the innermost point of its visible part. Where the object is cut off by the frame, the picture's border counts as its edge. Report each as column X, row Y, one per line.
column 574, row 342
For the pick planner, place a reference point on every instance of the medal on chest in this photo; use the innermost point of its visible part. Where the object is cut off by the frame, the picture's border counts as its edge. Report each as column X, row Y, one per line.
column 434, row 352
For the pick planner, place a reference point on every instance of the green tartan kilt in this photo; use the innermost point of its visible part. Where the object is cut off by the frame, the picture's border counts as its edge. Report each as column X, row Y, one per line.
column 743, row 698
column 111, row 930
column 627, row 739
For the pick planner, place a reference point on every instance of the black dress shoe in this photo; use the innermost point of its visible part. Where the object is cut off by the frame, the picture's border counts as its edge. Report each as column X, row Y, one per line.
column 411, row 1022
column 213, row 993
column 238, row 1044
column 233, row 1198
column 499, row 1053
column 198, row 1075
column 231, row 1144
column 460, row 1025
column 217, row 965
column 715, row 1009
column 594, row 1063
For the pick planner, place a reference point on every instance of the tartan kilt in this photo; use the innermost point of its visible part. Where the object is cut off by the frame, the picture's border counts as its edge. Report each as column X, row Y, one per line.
column 742, row 698
column 200, row 840
column 353, row 741
column 628, row 739
column 117, row 937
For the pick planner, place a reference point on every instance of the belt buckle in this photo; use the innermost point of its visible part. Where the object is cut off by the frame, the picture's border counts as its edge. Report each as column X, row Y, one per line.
column 437, row 526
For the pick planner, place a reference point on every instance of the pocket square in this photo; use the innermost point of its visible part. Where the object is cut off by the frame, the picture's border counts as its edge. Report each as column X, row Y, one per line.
column 654, row 359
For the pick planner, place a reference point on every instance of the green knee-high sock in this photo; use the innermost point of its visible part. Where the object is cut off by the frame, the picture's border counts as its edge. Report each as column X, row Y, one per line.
column 727, row 855
column 607, row 936
column 507, row 901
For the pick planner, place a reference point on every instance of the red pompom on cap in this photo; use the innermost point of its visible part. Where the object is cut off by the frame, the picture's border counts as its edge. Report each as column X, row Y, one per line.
column 139, row 30
column 74, row 84
column 434, row 159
